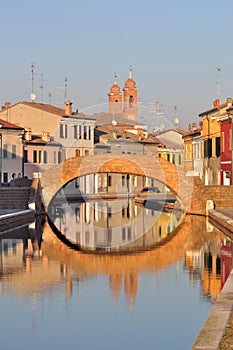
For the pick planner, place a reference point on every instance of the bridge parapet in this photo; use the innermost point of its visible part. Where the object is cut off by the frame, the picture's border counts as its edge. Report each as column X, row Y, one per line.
column 191, row 191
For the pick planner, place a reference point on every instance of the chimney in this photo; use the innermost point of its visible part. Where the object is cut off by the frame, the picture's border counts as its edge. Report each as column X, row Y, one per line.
column 114, row 134
column 140, row 134
column 6, row 106
column 216, row 103
column 45, row 136
column 229, row 102
column 28, row 134
column 68, row 108
column 194, row 126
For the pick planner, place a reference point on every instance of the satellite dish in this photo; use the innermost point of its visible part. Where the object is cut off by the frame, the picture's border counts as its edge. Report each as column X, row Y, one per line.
column 33, row 97
column 114, row 122
column 176, row 121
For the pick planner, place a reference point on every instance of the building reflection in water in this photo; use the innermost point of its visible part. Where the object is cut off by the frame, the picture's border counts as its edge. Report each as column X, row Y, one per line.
column 113, row 224
column 212, row 264
column 207, row 257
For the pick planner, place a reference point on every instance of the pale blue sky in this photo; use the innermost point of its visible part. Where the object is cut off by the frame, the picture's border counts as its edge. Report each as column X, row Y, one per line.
column 173, row 46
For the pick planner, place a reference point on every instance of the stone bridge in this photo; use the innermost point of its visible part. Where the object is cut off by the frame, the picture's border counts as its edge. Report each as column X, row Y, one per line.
column 191, row 191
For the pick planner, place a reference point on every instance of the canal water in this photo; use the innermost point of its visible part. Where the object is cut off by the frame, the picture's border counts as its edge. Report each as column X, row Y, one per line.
column 122, row 278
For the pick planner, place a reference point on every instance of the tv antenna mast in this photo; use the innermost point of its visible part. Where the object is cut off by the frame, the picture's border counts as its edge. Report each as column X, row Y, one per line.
column 33, row 95
column 42, row 87
column 65, row 88
column 176, row 120
column 218, row 82
column 157, row 110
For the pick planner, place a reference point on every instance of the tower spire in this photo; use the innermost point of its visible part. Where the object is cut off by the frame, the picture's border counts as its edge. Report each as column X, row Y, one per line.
column 115, row 79
column 130, row 72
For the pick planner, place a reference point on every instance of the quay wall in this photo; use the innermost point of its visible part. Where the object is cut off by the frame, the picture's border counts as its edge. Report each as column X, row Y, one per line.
column 14, row 197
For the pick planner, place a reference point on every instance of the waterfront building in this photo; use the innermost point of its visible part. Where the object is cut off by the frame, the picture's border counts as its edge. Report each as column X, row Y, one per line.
column 173, row 146
column 126, row 139
column 76, row 134
column 11, row 151
column 211, row 136
column 40, row 153
column 226, row 148
column 193, row 163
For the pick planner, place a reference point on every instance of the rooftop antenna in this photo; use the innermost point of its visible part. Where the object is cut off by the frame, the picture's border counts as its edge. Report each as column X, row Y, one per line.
column 42, row 87
column 157, row 110
column 176, row 120
column 65, row 88
column 50, row 97
column 218, row 82
column 32, row 96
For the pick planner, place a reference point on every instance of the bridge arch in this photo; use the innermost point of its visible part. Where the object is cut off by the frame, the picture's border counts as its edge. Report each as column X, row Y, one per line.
column 159, row 169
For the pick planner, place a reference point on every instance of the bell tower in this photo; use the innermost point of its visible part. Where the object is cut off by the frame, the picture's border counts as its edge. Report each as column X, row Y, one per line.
column 115, row 98
column 130, row 98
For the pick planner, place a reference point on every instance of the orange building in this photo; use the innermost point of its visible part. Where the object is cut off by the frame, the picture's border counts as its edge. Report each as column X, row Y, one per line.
column 211, row 134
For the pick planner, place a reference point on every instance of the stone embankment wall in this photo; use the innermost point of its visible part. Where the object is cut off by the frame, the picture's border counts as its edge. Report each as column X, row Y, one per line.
column 14, row 197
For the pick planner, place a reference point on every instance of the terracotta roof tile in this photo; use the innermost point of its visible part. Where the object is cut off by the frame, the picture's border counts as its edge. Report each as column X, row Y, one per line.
column 46, row 108
column 7, row 125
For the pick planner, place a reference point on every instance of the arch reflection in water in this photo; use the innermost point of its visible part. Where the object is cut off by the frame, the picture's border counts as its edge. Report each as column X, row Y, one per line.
column 112, row 224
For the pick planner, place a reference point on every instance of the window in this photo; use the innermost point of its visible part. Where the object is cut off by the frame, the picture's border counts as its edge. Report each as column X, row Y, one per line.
column 5, row 151
column 59, row 157
column 40, row 157
column 168, row 157
column 45, row 157
column 123, row 234
column 160, row 231
column 5, row 177
column 208, row 148
column 86, row 133
column 13, row 152
column 130, row 101
column 123, row 181
column 25, row 156
column 34, row 156
column 179, row 159
column 63, row 131
column 109, row 180
column 217, row 146
column 75, row 132
column 173, row 158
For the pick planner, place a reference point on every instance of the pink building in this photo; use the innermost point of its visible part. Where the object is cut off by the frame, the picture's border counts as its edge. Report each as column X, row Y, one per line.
column 40, row 154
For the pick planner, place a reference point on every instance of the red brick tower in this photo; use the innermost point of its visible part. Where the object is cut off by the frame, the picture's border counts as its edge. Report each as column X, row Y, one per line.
column 130, row 98
column 115, row 98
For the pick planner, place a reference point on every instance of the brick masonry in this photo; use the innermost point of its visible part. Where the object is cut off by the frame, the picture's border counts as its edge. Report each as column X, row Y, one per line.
column 14, row 197
column 191, row 191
